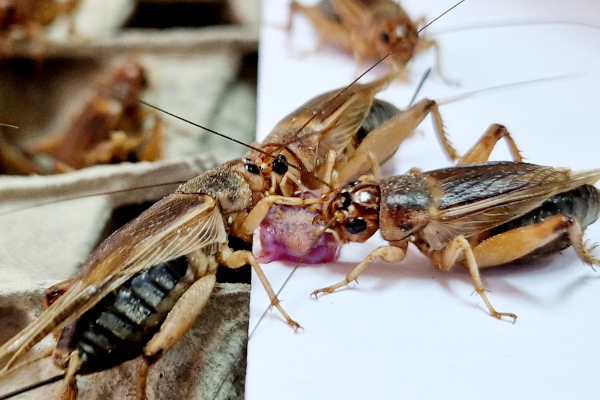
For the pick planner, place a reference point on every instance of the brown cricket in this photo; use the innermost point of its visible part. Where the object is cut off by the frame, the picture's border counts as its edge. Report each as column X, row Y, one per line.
column 27, row 19
column 369, row 30
column 112, row 126
column 136, row 294
column 478, row 214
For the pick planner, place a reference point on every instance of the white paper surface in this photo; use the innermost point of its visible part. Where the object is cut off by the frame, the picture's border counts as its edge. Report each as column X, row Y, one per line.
column 407, row 330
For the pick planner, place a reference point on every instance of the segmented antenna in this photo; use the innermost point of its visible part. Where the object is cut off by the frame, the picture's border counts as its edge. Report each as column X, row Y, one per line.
column 419, row 86
column 36, row 385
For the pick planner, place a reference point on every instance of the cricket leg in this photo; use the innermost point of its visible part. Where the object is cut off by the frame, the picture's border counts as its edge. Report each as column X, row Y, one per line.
column 481, row 150
column 179, row 320
column 259, row 212
column 69, row 382
column 516, row 243
column 387, row 253
column 459, row 247
column 384, row 141
column 425, row 44
column 237, row 259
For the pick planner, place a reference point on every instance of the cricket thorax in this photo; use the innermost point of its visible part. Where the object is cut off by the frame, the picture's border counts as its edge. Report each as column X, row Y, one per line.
column 404, row 206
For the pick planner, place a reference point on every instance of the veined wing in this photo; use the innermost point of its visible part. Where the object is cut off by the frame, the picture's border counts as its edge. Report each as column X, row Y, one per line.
column 173, row 227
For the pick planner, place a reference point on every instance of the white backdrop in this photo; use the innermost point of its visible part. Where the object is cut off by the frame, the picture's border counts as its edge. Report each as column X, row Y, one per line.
column 408, row 330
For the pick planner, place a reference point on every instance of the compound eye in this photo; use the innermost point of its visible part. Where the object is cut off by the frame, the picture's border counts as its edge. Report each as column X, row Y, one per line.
column 385, row 37
column 252, row 168
column 280, row 165
column 347, row 200
column 356, row 225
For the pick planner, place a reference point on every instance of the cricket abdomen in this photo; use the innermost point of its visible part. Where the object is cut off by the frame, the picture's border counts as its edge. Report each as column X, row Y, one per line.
column 582, row 204
column 119, row 327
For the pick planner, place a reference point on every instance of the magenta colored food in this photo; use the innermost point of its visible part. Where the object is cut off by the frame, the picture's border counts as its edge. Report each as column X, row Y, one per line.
column 287, row 232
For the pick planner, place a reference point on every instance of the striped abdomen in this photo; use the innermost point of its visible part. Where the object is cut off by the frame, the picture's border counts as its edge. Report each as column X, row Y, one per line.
column 582, row 204
column 119, row 327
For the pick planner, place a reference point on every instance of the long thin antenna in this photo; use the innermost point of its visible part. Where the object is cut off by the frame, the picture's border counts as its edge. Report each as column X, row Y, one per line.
column 441, row 15
column 36, row 385
column 510, row 24
column 203, row 127
column 419, row 86
column 83, row 196
column 215, row 132
column 463, row 96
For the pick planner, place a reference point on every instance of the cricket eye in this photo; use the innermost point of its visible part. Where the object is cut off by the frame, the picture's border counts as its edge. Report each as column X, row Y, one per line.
column 385, row 37
column 252, row 168
column 280, row 165
column 347, row 200
column 356, row 225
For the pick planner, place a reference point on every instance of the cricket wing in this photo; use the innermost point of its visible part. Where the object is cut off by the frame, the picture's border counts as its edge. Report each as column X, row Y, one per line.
column 327, row 122
column 476, row 203
column 175, row 226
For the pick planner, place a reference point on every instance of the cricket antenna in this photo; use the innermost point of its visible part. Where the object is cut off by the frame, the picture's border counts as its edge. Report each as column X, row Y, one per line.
column 419, row 86
column 441, row 15
column 203, row 127
column 36, row 385
column 463, row 96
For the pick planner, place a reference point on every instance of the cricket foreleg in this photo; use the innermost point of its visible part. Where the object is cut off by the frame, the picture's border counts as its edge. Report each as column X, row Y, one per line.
column 425, row 44
column 259, row 212
column 387, row 253
column 447, row 258
column 237, row 259
column 480, row 152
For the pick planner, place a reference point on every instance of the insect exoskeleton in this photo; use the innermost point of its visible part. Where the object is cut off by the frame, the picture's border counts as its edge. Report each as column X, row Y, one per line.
column 111, row 127
column 19, row 18
column 369, row 30
column 136, row 294
column 479, row 215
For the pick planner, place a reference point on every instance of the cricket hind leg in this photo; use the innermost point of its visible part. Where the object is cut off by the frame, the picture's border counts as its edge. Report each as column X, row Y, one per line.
column 69, row 383
column 383, row 142
column 481, row 150
column 516, row 244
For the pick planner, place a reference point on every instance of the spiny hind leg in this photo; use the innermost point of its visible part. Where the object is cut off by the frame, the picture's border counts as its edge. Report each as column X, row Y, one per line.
column 516, row 243
column 237, row 259
column 387, row 253
column 576, row 237
column 481, row 150
column 458, row 248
